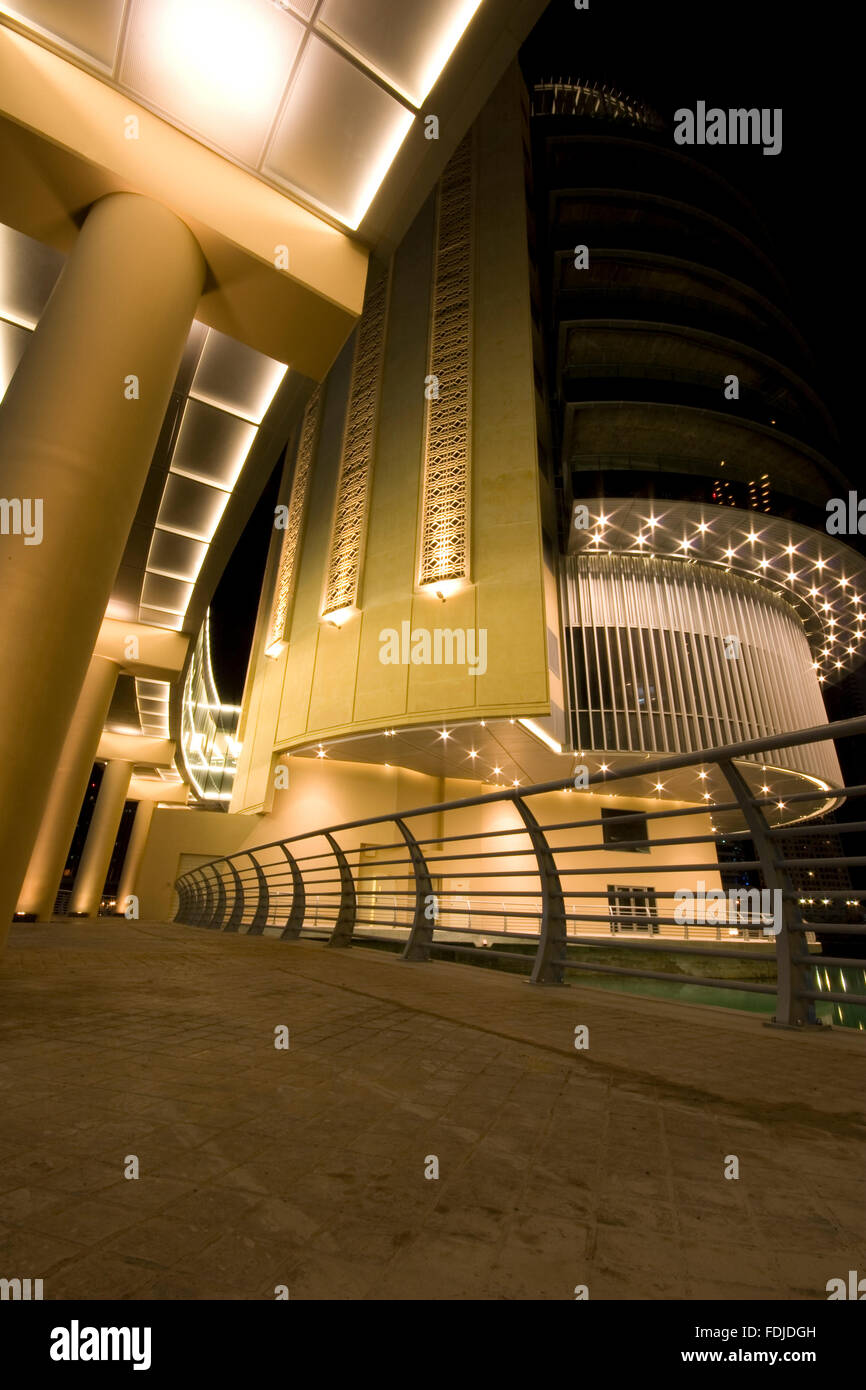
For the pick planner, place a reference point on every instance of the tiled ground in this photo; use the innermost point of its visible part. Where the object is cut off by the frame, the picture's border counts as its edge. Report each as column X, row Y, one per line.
column 261, row 1167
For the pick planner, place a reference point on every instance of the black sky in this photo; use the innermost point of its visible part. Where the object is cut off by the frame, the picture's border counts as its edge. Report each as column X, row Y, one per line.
column 763, row 53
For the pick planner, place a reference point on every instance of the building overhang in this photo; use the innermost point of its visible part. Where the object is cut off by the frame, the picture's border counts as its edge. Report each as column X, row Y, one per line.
column 518, row 753
column 63, row 146
column 135, row 748
column 822, row 578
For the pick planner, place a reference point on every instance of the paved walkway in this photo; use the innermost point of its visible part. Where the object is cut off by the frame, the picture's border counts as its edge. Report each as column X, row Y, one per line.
column 306, row 1168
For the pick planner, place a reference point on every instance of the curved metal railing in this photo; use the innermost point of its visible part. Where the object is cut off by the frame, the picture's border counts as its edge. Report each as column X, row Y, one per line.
column 386, row 872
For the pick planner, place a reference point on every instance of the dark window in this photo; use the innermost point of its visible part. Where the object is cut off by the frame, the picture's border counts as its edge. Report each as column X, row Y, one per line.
column 619, row 831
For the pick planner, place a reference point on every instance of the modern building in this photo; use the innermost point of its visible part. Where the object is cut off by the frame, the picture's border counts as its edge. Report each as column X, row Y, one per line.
column 574, row 442
column 209, row 188
column 556, row 482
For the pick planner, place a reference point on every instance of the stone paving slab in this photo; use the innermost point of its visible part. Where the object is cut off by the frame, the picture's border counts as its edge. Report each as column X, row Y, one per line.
column 305, row 1167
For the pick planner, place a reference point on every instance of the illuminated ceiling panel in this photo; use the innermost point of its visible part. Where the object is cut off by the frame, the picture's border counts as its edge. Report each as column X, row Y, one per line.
column 92, row 29
column 235, row 378
column 175, row 556
column 172, row 595
column 158, row 617
column 153, row 690
column 409, row 43
column 338, row 135
column 212, row 446
column 218, row 69
column 28, row 273
column 316, row 100
column 193, row 509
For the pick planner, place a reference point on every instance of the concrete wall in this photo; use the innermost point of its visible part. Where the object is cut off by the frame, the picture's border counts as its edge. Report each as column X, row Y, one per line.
column 178, row 831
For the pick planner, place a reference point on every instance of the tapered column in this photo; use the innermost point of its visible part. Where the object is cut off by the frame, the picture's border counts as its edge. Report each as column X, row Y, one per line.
column 99, row 845
column 78, row 428
column 134, row 854
column 68, row 785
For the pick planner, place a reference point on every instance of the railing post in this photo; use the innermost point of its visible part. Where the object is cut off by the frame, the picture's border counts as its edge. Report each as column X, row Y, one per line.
column 219, row 910
column 345, row 923
column 423, row 925
column 292, row 930
column 554, row 936
column 260, row 916
column 208, row 906
column 201, row 897
column 192, row 895
column 237, row 912
column 791, row 1011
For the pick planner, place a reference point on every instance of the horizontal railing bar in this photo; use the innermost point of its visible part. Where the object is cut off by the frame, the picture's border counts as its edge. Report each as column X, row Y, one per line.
column 747, row 986
column 832, row 893
column 716, row 867
column 847, row 962
column 627, row 816
column 837, row 928
column 488, row 931
column 659, row 920
column 831, row 996
column 850, row 861
column 673, row 948
column 849, row 793
column 834, row 828
column 472, row 950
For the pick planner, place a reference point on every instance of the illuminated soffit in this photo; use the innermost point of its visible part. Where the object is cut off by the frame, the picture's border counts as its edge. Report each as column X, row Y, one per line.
column 821, row 576
column 517, row 753
column 313, row 96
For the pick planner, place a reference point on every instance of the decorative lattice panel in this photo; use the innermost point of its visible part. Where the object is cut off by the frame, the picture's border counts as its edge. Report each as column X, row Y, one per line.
column 287, row 573
column 350, row 511
column 447, row 441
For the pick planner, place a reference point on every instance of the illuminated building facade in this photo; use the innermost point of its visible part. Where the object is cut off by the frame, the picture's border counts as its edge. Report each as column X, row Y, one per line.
column 556, row 477
column 190, row 201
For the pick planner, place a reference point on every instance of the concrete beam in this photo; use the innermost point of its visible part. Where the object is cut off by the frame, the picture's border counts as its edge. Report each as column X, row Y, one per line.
column 135, row 748
column 161, row 653
column 63, row 145
column 154, row 789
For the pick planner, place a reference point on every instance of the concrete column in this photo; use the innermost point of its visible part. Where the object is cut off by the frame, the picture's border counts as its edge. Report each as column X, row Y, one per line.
column 78, row 428
column 99, row 845
column 68, row 785
column 134, row 853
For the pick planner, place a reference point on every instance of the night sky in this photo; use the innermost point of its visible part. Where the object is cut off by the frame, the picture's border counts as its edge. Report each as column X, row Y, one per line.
column 763, row 53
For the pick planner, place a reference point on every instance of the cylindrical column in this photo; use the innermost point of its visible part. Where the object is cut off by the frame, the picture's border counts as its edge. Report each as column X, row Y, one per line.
column 99, row 845
column 78, row 428
column 134, row 854
column 68, row 785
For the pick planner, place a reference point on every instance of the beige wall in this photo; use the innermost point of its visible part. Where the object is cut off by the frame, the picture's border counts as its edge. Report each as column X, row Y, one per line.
column 324, row 793
column 331, row 682
column 179, row 831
